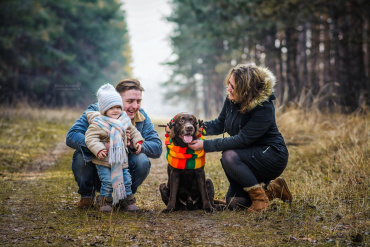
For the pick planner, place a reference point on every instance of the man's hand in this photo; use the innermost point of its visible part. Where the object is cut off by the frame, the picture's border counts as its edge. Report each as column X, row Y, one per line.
column 128, row 132
column 196, row 145
column 102, row 153
column 106, row 144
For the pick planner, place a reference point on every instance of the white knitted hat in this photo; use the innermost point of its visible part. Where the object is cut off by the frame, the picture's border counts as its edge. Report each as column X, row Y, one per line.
column 108, row 97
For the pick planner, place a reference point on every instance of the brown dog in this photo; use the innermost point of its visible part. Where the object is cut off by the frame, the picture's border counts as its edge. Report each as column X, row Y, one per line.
column 187, row 188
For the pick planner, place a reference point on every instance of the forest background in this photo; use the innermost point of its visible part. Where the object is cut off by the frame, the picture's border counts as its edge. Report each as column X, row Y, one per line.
column 51, row 51
column 54, row 55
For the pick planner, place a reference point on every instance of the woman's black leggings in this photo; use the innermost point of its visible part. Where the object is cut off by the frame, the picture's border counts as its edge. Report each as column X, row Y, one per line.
column 237, row 169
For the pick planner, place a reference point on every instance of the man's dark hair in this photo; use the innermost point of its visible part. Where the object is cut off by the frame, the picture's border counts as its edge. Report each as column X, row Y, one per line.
column 129, row 84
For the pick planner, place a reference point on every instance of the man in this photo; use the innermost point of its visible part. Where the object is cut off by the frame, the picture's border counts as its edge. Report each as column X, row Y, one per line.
column 139, row 164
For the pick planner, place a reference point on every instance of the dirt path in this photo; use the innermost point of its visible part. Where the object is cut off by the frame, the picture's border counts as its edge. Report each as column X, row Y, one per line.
column 20, row 204
column 38, row 208
column 45, row 161
column 35, row 206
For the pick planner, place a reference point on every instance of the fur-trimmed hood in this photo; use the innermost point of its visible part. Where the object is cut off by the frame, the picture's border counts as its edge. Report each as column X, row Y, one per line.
column 268, row 89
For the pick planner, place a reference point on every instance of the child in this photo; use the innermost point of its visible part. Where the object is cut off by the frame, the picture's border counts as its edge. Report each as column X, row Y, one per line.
column 110, row 125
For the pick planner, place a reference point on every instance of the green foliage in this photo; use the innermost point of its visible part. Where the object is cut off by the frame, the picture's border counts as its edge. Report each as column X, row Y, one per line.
column 294, row 38
column 58, row 52
column 200, row 47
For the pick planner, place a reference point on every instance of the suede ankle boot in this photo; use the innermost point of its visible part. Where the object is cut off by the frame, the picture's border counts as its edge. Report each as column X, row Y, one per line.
column 259, row 199
column 85, row 203
column 128, row 204
column 104, row 203
column 279, row 189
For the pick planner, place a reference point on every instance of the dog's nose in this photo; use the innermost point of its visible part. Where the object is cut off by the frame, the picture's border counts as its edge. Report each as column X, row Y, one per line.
column 189, row 128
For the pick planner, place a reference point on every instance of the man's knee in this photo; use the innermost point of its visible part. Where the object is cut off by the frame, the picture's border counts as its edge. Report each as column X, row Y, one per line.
column 84, row 174
column 77, row 160
column 139, row 166
column 78, row 164
column 140, row 163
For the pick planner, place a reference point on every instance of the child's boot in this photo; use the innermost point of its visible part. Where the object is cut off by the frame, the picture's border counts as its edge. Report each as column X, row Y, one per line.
column 131, row 206
column 128, row 204
column 104, row 203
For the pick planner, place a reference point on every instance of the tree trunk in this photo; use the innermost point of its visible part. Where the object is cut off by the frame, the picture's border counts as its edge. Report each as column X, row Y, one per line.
column 328, row 69
column 283, row 88
column 367, row 37
column 292, row 72
column 269, row 50
column 314, row 54
column 352, row 77
column 303, row 64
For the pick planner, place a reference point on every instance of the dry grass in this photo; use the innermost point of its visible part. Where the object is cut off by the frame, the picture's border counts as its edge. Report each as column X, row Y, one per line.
column 27, row 133
column 328, row 174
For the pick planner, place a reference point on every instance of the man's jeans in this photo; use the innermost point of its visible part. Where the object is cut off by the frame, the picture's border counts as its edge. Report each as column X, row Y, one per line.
column 87, row 177
column 106, row 180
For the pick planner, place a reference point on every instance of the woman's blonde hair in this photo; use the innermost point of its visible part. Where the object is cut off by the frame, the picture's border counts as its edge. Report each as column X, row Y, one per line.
column 250, row 85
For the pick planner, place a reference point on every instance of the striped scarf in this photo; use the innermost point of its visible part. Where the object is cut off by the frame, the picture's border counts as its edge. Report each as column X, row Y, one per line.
column 117, row 152
column 184, row 158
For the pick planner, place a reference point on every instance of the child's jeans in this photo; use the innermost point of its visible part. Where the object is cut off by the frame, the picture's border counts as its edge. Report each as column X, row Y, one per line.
column 106, row 182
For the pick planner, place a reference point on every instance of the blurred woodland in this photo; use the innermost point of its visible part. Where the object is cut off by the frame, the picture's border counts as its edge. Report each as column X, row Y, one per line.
column 319, row 50
column 58, row 52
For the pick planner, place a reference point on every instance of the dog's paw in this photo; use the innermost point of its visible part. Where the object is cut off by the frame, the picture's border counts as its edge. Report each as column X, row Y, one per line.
column 221, row 207
column 167, row 211
column 209, row 209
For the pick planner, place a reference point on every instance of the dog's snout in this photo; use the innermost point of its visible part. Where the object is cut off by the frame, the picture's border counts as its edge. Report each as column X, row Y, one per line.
column 189, row 128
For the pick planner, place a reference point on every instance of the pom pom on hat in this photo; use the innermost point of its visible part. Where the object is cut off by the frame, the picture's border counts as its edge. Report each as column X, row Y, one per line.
column 108, row 97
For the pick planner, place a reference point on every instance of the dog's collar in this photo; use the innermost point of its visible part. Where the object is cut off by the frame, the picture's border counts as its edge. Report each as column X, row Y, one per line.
column 184, row 158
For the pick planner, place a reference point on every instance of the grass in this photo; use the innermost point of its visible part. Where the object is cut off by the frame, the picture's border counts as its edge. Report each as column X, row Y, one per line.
column 328, row 174
column 27, row 133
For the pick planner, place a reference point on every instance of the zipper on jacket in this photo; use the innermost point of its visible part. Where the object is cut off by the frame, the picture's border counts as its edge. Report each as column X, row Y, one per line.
column 227, row 114
column 266, row 149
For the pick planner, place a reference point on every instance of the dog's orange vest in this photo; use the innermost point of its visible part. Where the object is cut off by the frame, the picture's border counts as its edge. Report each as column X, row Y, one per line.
column 184, row 158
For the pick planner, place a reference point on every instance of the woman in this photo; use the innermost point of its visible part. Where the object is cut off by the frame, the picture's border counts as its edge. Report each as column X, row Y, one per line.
column 255, row 154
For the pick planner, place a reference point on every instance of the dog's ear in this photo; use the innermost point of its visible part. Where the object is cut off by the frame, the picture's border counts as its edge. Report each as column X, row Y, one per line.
column 167, row 127
column 201, row 123
column 170, row 128
column 200, row 126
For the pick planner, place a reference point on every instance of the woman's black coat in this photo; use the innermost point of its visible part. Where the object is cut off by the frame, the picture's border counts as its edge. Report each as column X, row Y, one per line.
column 254, row 128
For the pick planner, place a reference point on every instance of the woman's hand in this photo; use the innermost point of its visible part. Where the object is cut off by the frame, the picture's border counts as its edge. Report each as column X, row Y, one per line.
column 196, row 145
